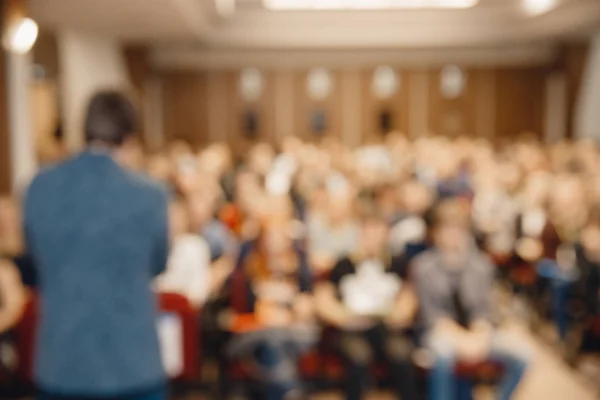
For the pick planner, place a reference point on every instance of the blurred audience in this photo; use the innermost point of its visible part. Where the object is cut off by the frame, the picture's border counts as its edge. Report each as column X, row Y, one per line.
column 405, row 241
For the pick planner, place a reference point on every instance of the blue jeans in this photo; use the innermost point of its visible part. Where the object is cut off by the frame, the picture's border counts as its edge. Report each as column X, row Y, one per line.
column 275, row 353
column 560, row 286
column 270, row 358
column 443, row 385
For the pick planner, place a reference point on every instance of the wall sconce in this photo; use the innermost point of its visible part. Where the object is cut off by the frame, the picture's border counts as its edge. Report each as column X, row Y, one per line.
column 20, row 32
column 20, row 36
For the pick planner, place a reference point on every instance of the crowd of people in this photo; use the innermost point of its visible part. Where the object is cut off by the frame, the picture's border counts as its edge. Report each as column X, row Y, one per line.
column 396, row 247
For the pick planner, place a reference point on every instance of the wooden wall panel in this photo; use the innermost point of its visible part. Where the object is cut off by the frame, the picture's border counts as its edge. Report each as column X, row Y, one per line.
column 305, row 106
column 185, row 107
column 206, row 107
column 264, row 107
column 397, row 106
column 520, row 101
column 456, row 116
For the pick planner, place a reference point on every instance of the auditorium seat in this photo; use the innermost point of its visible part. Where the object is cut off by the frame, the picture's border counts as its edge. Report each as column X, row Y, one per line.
column 25, row 338
column 179, row 305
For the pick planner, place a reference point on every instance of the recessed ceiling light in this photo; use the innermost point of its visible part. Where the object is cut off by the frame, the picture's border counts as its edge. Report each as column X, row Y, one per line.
column 537, row 7
column 365, row 4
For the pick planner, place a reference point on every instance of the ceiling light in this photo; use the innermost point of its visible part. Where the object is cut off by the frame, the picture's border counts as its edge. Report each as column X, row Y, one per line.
column 365, row 4
column 21, row 36
column 537, row 7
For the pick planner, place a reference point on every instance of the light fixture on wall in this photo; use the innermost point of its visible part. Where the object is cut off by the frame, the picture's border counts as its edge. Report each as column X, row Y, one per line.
column 452, row 82
column 251, row 84
column 365, row 4
column 20, row 35
column 319, row 84
column 537, row 7
column 386, row 82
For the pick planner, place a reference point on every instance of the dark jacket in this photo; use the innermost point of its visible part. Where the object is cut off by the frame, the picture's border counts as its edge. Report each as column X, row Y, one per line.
column 98, row 235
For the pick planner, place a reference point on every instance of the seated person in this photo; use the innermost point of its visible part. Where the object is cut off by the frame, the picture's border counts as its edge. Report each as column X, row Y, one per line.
column 12, row 246
column 333, row 234
column 454, row 283
column 188, row 269
column 270, row 309
column 588, row 262
column 370, row 300
column 408, row 236
column 567, row 215
column 217, row 235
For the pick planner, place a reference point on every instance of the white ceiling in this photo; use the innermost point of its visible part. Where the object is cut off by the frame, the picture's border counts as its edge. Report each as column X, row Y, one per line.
column 130, row 20
column 490, row 22
column 191, row 29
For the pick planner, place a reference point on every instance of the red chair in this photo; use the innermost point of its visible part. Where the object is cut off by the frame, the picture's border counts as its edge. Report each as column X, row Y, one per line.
column 487, row 370
column 180, row 306
column 25, row 338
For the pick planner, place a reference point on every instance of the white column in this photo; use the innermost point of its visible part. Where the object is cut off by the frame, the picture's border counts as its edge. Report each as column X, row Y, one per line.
column 587, row 115
column 22, row 143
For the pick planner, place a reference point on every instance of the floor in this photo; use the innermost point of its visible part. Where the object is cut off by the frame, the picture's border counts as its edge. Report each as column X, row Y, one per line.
column 548, row 379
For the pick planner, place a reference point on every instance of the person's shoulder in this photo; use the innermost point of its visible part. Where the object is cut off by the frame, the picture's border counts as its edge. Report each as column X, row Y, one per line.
column 49, row 175
column 425, row 263
column 482, row 262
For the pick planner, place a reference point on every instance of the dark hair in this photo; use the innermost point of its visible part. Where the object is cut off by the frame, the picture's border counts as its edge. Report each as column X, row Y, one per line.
column 111, row 118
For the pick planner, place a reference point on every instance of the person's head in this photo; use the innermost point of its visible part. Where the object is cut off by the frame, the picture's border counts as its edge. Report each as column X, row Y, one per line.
column 159, row 167
column 202, row 208
column 340, row 199
column 536, row 189
column 260, row 158
column 567, row 197
column 416, row 197
column 451, row 227
column 179, row 217
column 179, row 149
column 275, row 238
column 386, row 198
column 111, row 119
column 374, row 233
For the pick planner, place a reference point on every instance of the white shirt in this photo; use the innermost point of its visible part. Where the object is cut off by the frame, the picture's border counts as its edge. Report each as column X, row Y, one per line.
column 188, row 270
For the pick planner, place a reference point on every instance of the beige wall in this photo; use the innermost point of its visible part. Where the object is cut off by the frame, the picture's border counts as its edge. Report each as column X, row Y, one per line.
column 587, row 117
column 86, row 64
